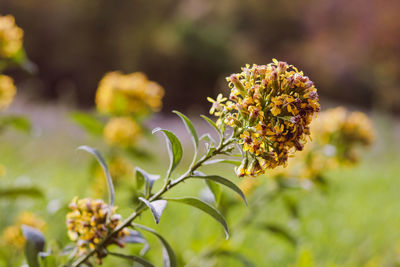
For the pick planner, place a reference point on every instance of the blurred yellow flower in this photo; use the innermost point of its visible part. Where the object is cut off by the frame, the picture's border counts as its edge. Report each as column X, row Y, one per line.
column 3, row 170
column 248, row 185
column 12, row 235
column 121, row 131
column 337, row 136
column 128, row 94
column 342, row 132
column 10, row 37
column 7, row 91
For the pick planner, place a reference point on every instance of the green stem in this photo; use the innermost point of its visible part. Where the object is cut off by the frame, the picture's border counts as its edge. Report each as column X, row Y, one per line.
column 167, row 186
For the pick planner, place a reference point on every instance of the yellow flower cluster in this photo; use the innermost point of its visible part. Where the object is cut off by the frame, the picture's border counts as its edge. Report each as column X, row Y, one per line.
column 337, row 134
column 7, row 91
column 128, row 94
column 345, row 132
column 270, row 108
column 10, row 37
column 90, row 221
column 121, row 131
column 12, row 235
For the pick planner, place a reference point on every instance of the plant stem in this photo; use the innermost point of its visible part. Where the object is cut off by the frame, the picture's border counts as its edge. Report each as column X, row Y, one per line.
column 167, row 186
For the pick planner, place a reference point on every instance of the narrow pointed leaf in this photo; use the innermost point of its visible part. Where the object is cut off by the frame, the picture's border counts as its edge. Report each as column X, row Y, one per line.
column 169, row 257
column 235, row 255
column 104, row 166
column 157, row 207
column 212, row 123
column 190, row 128
column 225, row 182
column 279, row 231
column 214, row 188
column 133, row 258
column 197, row 203
column 207, row 137
column 136, row 237
column 228, row 161
column 47, row 260
column 175, row 150
column 149, row 179
column 34, row 245
column 15, row 192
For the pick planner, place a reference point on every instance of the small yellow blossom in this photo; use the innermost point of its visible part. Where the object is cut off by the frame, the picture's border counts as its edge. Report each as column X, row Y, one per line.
column 7, row 91
column 121, row 131
column 128, row 94
column 89, row 222
column 10, row 37
column 217, row 105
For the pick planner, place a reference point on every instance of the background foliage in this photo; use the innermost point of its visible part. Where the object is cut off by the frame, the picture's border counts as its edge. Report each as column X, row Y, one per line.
column 350, row 48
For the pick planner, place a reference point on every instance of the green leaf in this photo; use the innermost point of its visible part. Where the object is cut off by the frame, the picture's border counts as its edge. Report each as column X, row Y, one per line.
column 47, row 260
column 279, row 231
column 169, row 257
column 175, row 150
column 228, row 161
column 88, row 122
column 17, row 122
column 225, row 182
column 148, row 178
column 235, row 255
column 136, row 237
column 190, row 128
column 214, row 188
column 157, row 207
column 20, row 191
column 104, row 166
column 133, row 258
column 197, row 203
column 212, row 123
column 34, row 245
column 140, row 180
column 207, row 137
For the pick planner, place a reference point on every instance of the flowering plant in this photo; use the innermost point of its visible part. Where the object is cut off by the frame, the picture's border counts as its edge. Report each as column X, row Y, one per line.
column 269, row 110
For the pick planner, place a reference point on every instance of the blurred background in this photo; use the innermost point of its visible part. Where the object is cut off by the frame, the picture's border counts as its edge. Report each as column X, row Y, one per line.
column 351, row 49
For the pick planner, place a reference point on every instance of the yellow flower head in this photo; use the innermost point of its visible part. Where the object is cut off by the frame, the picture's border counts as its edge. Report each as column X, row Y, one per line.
column 270, row 108
column 90, row 221
column 10, row 37
column 12, row 235
column 337, row 136
column 121, row 131
column 7, row 91
column 345, row 132
column 128, row 94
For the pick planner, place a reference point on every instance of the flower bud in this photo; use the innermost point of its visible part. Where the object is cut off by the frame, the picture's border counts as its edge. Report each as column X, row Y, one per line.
column 236, row 82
